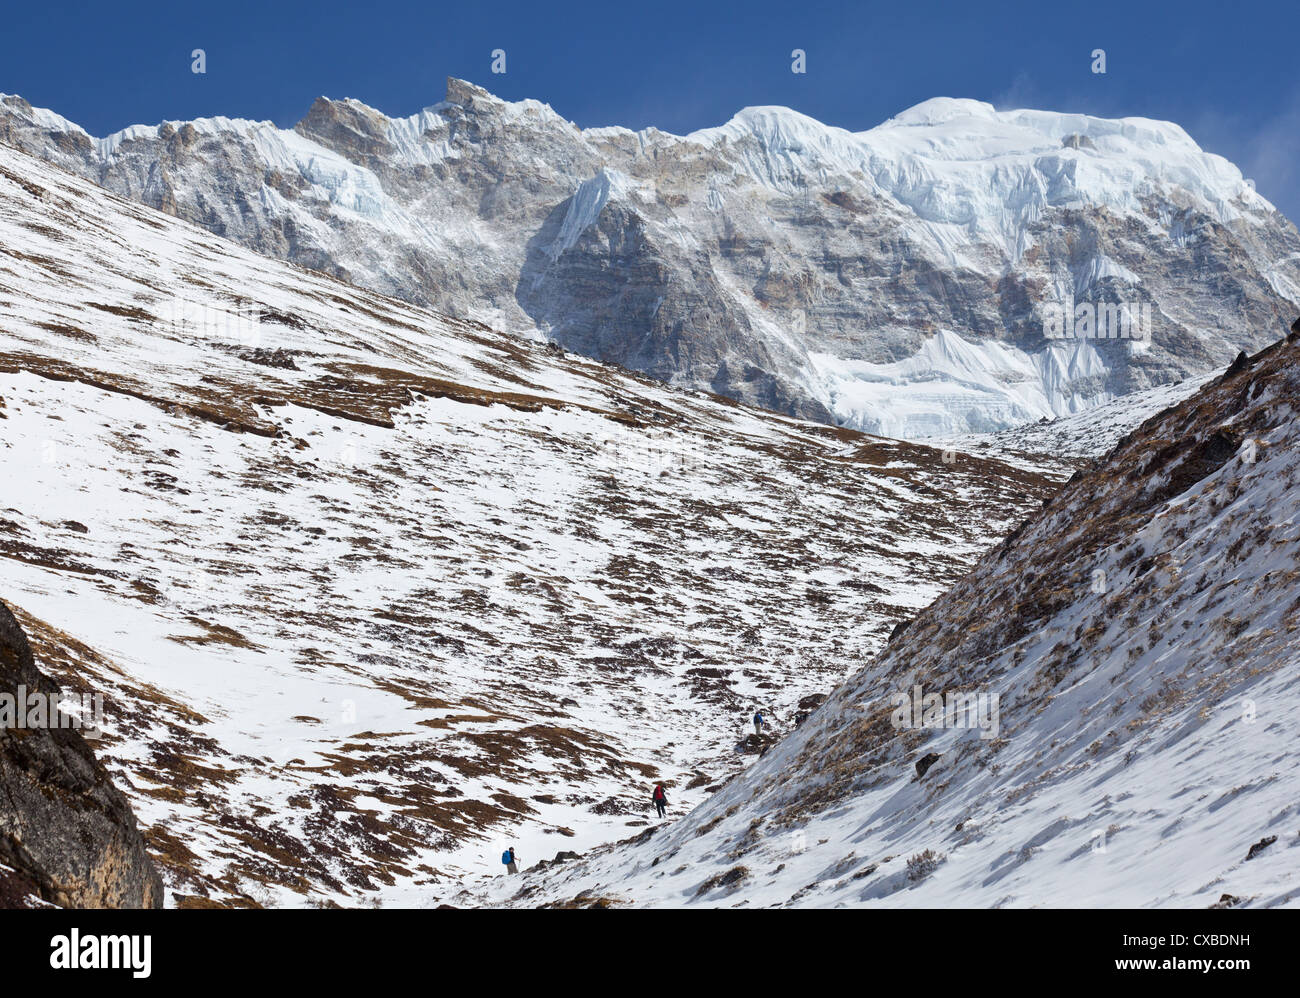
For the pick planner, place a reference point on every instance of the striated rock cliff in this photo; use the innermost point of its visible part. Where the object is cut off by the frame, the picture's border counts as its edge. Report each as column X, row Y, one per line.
column 66, row 832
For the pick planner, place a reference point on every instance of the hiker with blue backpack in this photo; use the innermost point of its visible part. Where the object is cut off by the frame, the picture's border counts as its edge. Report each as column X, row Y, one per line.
column 758, row 722
column 508, row 858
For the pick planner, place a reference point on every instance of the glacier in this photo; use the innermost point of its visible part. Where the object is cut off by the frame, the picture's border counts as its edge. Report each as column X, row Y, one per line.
column 893, row 279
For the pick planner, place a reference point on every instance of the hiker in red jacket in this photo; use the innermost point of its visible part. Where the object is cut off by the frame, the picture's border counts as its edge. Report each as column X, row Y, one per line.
column 660, row 799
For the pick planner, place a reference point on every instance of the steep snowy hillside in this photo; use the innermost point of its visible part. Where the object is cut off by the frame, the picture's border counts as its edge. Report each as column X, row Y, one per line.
column 370, row 591
column 1128, row 735
column 895, row 280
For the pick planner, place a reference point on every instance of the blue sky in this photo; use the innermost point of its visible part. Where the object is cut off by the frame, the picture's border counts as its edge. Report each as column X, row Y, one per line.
column 1228, row 73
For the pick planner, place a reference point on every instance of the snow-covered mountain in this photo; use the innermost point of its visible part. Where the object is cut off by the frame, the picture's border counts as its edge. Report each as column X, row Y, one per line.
column 895, row 280
column 1131, row 657
column 370, row 591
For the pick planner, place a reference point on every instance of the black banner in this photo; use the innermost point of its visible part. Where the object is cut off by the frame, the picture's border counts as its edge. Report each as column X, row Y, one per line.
column 141, row 949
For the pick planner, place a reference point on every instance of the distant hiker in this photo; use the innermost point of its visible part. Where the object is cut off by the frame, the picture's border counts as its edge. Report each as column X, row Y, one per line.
column 660, row 799
column 508, row 858
column 758, row 723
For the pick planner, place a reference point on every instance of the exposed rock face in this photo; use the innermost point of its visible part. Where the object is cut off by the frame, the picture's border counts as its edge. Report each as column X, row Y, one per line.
column 64, row 827
column 924, row 763
column 895, row 280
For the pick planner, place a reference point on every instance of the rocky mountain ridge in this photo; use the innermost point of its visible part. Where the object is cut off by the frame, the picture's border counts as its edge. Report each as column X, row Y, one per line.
column 895, row 280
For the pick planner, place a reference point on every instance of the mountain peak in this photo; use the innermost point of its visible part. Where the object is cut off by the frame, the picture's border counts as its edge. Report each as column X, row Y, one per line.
column 937, row 110
column 467, row 95
column 347, row 126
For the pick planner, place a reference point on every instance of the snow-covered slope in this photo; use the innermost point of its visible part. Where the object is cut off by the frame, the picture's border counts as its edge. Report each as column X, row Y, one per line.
column 1068, row 443
column 371, row 591
column 1141, row 636
column 895, row 280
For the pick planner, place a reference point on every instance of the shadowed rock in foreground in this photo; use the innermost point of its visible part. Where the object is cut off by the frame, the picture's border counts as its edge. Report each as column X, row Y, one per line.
column 63, row 825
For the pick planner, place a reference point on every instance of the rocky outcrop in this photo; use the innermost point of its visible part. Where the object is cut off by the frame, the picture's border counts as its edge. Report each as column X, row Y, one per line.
column 356, row 131
column 924, row 763
column 65, row 830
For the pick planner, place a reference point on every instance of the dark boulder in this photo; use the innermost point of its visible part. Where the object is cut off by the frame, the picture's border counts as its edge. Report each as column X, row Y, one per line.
column 1237, row 366
column 924, row 763
column 1188, row 462
column 563, row 856
column 1260, row 846
column 64, row 827
column 812, row 701
column 753, row 744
